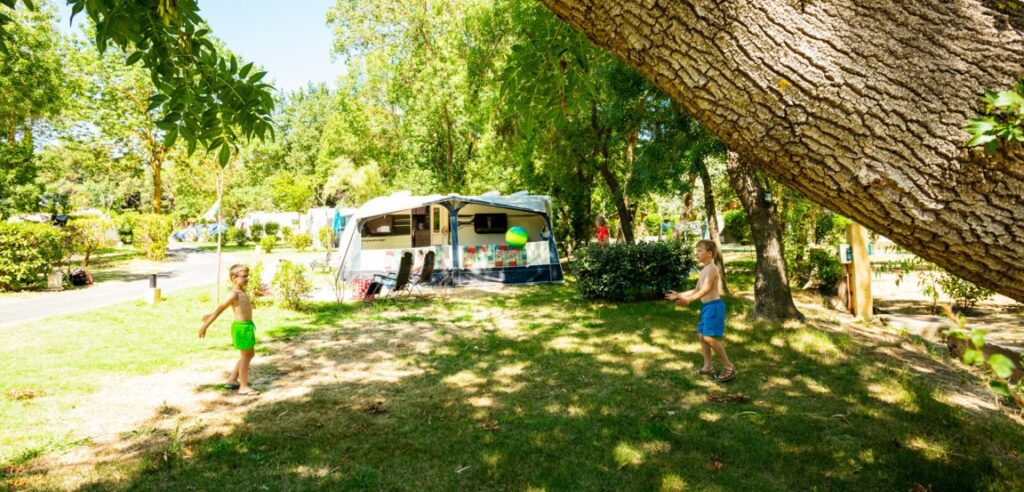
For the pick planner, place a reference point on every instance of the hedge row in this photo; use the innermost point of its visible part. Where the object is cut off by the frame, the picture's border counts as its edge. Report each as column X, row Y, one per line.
column 28, row 252
column 632, row 272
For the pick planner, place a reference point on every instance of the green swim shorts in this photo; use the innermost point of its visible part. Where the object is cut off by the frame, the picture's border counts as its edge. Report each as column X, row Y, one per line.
column 243, row 334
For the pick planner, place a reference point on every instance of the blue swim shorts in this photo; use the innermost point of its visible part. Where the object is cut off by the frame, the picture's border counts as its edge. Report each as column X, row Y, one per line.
column 712, row 319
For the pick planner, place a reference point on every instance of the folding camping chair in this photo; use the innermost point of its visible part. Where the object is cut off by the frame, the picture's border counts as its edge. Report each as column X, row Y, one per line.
column 398, row 282
column 426, row 276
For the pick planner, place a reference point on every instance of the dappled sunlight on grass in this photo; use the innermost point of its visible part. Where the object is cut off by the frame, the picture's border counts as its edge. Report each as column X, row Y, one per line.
column 530, row 388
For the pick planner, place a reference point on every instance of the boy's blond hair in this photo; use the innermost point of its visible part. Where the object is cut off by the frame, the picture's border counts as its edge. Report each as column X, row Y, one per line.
column 708, row 246
column 237, row 267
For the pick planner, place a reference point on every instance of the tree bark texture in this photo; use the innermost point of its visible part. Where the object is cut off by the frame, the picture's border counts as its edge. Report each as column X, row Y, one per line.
column 858, row 105
column 711, row 211
column 772, row 297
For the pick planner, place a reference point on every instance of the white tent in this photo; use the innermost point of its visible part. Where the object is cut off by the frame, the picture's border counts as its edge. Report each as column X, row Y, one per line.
column 386, row 227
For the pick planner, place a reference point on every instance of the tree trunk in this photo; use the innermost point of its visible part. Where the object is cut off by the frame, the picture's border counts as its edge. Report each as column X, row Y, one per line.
column 712, row 214
column 772, row 297
column 619, row 197
column 857, row 105
column 156, row 167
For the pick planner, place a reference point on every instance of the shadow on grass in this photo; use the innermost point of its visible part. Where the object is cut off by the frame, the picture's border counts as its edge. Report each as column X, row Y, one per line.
column 542, row 390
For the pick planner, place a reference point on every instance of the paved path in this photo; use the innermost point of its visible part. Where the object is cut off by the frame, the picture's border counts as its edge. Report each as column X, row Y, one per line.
column 192, row 268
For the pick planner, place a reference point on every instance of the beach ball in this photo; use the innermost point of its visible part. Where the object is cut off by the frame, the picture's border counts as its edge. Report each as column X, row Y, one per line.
column 516, row 237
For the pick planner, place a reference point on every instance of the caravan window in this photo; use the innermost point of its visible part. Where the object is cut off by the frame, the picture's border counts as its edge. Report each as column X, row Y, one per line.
column 387, row 225
column 490, row 223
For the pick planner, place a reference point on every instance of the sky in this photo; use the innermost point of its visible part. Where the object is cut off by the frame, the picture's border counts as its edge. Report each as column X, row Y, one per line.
column 290, row 39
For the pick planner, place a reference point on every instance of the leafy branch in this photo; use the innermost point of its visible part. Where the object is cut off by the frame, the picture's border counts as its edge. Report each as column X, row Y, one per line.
column 1003, row 119
column 999, row 366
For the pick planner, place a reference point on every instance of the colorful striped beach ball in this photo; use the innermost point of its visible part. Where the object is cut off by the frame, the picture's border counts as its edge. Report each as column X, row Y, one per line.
column 516, row 237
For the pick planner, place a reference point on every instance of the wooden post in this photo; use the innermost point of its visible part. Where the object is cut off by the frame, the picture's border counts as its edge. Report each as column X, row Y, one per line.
column 860, row 271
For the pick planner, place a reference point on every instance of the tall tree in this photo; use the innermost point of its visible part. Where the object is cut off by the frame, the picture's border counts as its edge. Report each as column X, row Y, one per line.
column 772, row 297
column 860, row 106
column 32, row 87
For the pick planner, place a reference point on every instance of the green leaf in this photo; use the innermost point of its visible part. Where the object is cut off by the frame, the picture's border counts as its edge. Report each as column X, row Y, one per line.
column 224, row 155
column 1001, row 365
column 999, row 387
column 256, row 77
column 980, row 139
column 245, row 70
column 1008, row 100
column 973, row 357
column 170, row 138
column 978, row 338
column 156, row 101
column 134, row 57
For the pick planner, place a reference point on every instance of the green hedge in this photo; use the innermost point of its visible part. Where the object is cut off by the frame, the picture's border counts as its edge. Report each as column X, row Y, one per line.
column 632, row 272
column 27, row 254
column 737, row 226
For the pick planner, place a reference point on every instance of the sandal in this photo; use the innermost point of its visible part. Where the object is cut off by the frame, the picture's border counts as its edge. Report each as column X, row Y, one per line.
column 727, row 374
column 700, row 371
column 249, row 392
column 231, row 386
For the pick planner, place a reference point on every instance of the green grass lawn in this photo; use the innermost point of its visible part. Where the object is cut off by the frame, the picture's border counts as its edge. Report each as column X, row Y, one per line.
column 527, row 389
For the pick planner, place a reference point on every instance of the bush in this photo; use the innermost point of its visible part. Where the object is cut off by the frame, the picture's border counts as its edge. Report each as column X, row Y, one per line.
column 256, row 232
column 255, row 288
column 28, row 252
column 737, row 226
column 286, row 234
column 151, row 234
column 652, row 222
column 632, row 272
column 831, row 230
column 237, row 235
column 965, row 294
column 268, row 243
column 271, row 228
column 826, row 268
column 301, row 241
column 291, row 284
column 88, row 235
column 326, row 235
column 125, row 224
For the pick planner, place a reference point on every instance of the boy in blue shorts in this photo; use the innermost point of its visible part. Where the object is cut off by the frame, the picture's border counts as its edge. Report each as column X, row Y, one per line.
column 243, row 331
column 712, row 311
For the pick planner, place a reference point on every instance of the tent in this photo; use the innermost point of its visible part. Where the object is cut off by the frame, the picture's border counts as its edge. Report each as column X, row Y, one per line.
column 466, row 233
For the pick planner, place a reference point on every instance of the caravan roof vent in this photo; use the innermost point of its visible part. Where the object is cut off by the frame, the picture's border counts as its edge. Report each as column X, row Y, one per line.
column 491, row 193
column 520, row 193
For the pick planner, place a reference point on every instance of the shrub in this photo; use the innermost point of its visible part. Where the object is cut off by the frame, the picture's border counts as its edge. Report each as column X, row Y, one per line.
column 271, row 228
column 737, row 226
column 632, row 272
column 125, row 224
column 255, row 288
column 826, row 268
column 88, row 235
column 151, row 234
column 286, row 234
column 326, row 235
column 831, row 230
column 301, row 241
column 256, row 232
column 291, row 284
column 27, row 254
column 237, row 235
column 652, row 222
column 965, row 294
column 268, row 243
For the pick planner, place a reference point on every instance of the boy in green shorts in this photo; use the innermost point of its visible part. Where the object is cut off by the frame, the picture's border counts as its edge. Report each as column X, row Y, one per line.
column 243, row 331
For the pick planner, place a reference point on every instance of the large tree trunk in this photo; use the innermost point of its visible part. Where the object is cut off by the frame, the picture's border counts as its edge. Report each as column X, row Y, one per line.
column 772, row 297
column 858, row 105
column 711, row 211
